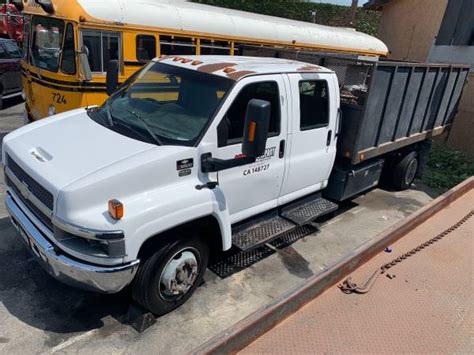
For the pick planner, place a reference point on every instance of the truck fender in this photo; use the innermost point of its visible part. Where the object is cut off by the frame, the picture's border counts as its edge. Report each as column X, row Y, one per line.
column 189, row 211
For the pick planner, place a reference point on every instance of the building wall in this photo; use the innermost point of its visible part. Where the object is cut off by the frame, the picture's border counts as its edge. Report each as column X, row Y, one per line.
column 409, row 27
column 462, row 132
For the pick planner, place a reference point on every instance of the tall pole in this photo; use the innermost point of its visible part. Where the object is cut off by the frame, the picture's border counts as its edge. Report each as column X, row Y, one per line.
column 352, row 18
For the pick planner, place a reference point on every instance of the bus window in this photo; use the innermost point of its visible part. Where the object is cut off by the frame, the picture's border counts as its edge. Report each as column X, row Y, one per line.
column 214, row 47
column 68, row 65
column 177, row 45
column 103, row 47
column 146, row 48
column 47, row 39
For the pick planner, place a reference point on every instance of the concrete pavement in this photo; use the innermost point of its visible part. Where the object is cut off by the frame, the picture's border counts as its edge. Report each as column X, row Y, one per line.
column 38, row 314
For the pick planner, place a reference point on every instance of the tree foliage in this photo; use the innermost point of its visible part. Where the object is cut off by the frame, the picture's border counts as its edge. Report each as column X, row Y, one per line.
column 326, row 14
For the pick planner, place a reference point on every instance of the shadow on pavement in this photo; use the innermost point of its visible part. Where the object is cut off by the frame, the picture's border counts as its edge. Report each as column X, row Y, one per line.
column 8, row 103
column 35, row 298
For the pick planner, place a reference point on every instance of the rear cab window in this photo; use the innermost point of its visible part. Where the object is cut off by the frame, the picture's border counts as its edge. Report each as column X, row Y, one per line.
column 314, row 104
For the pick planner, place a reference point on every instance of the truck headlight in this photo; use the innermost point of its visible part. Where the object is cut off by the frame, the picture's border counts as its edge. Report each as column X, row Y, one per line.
column 51, row 110
column 113, row 248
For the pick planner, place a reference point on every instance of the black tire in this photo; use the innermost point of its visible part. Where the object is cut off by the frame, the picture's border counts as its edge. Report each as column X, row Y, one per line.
column 148, row 288
column 405, row 171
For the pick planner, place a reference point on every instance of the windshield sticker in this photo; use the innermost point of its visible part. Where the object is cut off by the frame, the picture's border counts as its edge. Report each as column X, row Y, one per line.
column 184, row 164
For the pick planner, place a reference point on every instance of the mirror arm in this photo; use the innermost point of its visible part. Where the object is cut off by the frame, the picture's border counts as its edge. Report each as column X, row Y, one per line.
column 212, row 165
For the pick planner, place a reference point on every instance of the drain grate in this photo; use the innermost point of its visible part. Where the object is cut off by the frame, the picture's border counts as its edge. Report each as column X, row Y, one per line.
column 235, row 260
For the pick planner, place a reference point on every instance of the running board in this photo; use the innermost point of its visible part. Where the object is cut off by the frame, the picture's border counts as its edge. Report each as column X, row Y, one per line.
column 264, row 230
column 308, row 209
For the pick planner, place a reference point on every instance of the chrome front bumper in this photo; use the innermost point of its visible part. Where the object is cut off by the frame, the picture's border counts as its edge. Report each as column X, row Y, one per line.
column 65, row 269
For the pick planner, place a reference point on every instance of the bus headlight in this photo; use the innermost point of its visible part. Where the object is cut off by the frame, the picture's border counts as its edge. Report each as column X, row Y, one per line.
column 51, row 110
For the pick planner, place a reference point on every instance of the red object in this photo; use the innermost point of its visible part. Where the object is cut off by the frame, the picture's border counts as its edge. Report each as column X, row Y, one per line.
column 11, row 23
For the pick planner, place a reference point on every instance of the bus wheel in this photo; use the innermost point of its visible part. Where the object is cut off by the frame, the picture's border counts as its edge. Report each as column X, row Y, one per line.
column 170, row 276
column 404, row 172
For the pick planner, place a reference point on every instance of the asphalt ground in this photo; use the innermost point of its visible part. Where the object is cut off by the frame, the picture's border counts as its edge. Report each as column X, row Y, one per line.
column 38, row 314
column 424, row 307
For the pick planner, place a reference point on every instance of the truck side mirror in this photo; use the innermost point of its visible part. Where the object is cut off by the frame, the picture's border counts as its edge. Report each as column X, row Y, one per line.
column 257, row 125
column 84, row 62
column 112, row 76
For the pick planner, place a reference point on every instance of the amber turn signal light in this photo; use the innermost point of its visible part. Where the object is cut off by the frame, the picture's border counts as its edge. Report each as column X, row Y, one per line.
column 116, row 209
column 252, row 129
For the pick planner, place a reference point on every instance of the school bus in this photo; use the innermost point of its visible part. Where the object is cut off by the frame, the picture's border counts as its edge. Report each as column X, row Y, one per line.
column 69, row 43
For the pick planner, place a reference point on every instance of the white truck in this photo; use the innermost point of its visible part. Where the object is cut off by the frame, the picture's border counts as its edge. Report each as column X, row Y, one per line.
column 193, row 156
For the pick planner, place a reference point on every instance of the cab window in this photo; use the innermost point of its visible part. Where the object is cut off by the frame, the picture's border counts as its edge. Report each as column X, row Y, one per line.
column 46, row 42
column 103, row 46
column 146, row 48
column 314, row 104
column 68, row 65
column 231, row 128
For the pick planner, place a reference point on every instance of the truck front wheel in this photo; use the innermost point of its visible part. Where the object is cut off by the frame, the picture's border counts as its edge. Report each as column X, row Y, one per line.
column 405, row 171
column 170, row 276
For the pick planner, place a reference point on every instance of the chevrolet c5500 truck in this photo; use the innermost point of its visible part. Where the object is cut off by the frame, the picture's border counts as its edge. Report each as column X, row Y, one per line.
column 194, row 156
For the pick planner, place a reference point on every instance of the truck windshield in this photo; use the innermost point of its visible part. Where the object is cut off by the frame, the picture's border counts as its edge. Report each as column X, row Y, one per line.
column 164, row 104
column 46, row 42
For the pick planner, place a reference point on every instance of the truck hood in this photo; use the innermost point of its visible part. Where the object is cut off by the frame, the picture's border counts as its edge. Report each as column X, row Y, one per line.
column 65, row 148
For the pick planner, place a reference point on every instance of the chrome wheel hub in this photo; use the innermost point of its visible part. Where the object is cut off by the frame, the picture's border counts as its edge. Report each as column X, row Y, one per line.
column 411, row 171
column 180, row 274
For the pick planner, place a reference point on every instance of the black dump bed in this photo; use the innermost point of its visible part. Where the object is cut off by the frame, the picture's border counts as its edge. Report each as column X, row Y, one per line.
column 385, row 105
column 396, row 104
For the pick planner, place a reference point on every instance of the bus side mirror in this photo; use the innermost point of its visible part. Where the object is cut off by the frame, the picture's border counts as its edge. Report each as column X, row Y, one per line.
column 112, row 76
column 84, row 62
column 257, row 125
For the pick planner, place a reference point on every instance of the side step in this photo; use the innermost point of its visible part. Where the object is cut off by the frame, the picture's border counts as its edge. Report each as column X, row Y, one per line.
column 259, row 232
column 307, row 210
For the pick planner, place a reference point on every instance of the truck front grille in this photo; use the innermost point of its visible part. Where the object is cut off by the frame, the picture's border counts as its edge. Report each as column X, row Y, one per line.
column 35, row 188
column 40, row 215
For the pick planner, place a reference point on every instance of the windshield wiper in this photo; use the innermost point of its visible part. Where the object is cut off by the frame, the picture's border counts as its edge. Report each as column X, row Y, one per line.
column 108, row 109
column 147, row 127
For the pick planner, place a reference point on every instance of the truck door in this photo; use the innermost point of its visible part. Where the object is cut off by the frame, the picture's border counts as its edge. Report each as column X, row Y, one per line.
column 253, row 188
column 312, row 145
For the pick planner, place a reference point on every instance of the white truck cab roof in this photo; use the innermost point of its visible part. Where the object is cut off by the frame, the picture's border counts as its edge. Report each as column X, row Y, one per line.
column 236, row 68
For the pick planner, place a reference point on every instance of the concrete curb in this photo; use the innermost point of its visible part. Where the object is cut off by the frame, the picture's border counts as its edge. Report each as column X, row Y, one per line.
column 250, row 328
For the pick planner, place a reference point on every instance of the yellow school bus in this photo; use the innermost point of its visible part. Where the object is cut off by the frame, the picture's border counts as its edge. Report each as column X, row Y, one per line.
column 63, row 39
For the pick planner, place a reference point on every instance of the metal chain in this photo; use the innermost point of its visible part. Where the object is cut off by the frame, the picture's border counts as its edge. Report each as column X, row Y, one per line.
column 349, row 287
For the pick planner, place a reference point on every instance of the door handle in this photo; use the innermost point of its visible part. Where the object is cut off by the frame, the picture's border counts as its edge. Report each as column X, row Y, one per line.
column 328, row 142
column 281, row 154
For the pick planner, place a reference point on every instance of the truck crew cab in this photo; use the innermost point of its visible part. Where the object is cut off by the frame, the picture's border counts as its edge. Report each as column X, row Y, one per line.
column 190, row 157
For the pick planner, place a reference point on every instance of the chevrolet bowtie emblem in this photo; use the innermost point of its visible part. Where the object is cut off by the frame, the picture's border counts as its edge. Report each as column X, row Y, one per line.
column 24, row 190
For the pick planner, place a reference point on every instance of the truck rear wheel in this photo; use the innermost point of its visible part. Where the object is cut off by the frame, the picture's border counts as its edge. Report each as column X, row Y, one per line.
column 170, row 276
column 405, row 171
